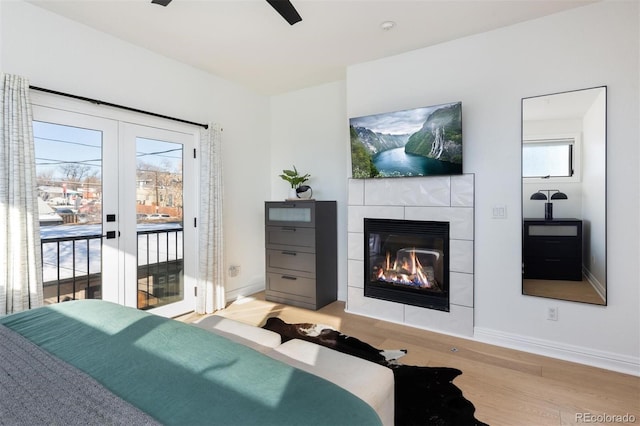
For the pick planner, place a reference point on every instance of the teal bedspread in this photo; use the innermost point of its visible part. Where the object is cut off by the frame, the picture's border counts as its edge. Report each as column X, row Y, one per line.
column 183, row 375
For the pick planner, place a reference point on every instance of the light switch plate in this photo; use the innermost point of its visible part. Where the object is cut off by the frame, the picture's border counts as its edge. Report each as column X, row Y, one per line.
column 499, row 211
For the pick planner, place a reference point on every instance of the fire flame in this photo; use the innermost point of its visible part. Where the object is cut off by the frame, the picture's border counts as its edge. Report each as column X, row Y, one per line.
column 411, row 271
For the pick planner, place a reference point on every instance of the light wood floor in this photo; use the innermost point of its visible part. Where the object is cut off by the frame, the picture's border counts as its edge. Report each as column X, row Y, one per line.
column 578, row 291
column 507, row 387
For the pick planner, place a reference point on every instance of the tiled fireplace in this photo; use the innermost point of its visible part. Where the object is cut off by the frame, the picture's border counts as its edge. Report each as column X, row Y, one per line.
column 415, row 201
column 407, row 261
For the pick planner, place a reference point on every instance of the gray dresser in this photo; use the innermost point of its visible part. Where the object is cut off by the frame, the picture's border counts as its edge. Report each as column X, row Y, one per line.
column 301, row 253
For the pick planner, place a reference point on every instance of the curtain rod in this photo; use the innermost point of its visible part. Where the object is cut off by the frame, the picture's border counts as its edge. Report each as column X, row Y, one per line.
column 99, row 102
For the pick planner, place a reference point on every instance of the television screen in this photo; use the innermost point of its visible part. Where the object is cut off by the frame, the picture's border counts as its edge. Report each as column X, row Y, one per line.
column 415, row 142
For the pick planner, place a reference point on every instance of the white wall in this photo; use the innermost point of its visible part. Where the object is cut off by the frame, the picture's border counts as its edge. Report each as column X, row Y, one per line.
column 59, row 54
column 308, row 130
column 594, row 187
column 490, row 73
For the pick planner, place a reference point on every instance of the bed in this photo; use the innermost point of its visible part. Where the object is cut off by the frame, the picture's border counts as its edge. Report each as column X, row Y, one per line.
column 153, row 370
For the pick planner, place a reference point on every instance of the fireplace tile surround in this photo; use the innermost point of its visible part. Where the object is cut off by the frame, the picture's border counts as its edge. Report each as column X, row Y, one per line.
column 439, row 198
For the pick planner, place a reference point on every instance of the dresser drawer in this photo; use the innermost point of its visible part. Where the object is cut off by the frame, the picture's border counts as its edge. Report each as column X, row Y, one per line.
column 553, row 268
column 301, row 302
column 291, row 238
column 299, row 213
column 556, row 230
column 292, row 286
column 552, row 247
column 293, row 262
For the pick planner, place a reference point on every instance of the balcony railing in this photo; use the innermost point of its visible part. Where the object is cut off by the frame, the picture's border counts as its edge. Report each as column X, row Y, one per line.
column 72, row 267
column 160, row 265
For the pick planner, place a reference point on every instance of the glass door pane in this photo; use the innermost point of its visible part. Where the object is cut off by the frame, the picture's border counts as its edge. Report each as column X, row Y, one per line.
column 69, row 181
column 115, row 199
column 159, row 218
column 157, row 191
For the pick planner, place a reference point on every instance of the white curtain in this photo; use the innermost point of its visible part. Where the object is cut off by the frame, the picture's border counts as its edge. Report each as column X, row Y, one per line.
column 211, row 295
column 20, row 256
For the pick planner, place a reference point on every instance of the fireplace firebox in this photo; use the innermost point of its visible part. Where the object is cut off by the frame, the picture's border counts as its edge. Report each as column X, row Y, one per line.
column 407, row 261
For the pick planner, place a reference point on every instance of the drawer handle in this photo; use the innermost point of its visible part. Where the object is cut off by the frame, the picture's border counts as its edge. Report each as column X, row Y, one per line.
column 553, row 260
column 289, row 228
column 290, row 253
column 289, row 277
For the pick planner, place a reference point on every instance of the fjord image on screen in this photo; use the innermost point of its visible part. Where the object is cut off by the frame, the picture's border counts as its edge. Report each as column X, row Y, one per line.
column 415, row 142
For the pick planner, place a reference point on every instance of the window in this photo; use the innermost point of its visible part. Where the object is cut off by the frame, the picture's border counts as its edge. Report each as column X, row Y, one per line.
column 548, row 158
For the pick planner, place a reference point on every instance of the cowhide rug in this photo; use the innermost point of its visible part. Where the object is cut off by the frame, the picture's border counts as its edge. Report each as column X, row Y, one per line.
column 423, row 395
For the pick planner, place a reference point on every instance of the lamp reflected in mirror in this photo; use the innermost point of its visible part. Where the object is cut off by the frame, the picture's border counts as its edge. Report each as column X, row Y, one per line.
column 564, row 159
column 548, row 206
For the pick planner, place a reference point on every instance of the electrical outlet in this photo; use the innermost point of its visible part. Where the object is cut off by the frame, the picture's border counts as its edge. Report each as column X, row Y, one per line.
column 234, row 270
column 552, row 314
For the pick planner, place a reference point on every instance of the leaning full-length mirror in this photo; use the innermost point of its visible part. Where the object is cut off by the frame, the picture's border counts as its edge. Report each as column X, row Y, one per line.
column 564, row 196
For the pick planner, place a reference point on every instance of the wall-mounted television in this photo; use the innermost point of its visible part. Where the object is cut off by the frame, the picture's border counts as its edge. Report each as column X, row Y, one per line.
column 423, row 141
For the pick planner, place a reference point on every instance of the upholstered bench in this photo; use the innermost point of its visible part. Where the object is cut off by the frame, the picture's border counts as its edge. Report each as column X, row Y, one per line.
column 255, row 337
column 373, row 383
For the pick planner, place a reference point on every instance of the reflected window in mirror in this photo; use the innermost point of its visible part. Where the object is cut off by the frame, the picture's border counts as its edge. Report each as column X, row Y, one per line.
column 564, row 150
column 548, row 158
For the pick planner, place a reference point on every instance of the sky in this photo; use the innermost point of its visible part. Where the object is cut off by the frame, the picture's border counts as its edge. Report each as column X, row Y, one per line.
column 395, row 123
column 57, row 145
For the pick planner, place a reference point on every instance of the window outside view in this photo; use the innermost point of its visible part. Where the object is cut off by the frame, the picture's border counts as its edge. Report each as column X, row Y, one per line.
column 547, row 159
column 159, row 217
column 69, row 170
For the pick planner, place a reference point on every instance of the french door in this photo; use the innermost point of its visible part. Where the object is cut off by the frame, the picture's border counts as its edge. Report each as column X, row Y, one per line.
column 116, row 207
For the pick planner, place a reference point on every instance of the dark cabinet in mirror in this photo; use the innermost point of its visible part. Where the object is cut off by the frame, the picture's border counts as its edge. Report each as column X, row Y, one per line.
column 564, row 196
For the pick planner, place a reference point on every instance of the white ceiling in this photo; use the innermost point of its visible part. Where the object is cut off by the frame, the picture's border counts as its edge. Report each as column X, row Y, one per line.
column 561, row 106
column 247, row 42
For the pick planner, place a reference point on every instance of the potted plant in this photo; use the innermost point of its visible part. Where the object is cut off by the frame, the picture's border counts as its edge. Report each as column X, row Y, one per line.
column 295, row 179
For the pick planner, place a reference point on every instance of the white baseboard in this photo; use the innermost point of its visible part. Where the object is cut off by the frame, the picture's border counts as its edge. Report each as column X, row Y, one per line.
column 597, row 285
column 581, row 355
column 247, row 290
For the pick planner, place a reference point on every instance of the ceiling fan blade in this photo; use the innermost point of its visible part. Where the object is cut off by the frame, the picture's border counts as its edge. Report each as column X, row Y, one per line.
column 161, row 2
column 286, row 10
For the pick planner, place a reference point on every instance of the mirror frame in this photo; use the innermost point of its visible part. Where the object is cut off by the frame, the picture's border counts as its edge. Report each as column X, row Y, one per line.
column 604, row 196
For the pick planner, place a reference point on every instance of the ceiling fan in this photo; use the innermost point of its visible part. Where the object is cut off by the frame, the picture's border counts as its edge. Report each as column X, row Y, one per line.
column 283, row 7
